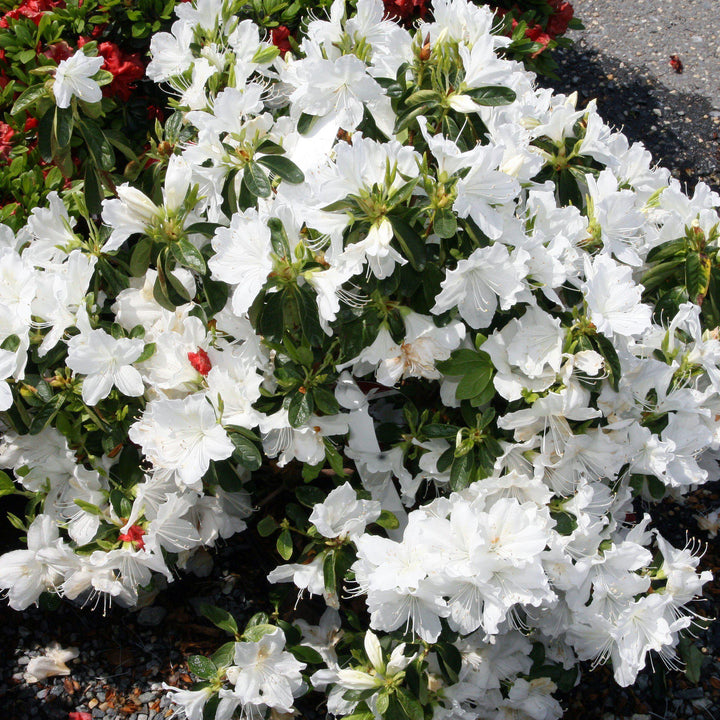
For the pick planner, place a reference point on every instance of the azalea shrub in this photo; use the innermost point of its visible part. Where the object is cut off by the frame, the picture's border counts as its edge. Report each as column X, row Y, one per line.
column 434, row 335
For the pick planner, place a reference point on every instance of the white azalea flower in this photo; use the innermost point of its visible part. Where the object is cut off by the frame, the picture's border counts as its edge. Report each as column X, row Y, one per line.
column 242, row 257
column 263, row 673
column 477, row 283
column 106, row 362
column 343, row 515
column 52, row 662
column 73, row 78
column 613, row 298
column 182, row 436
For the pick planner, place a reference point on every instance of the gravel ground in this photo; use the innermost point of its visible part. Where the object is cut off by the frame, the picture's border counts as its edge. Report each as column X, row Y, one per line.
column 622, row 59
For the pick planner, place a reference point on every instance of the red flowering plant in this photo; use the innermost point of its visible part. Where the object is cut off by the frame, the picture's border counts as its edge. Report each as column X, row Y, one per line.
column 536, row 28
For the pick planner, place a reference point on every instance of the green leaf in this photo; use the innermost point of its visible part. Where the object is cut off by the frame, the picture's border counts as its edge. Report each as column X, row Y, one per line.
column 203, row 228
column 445, row 223
column 656, row 487
column 10, row 343
column 265, row 54
column 306, row 122
column 63, row 126
column 659, row 273
column 268, row 147
column 120, row 504
column 692, row 657
column 7, row 486
column 325, row 401
column 474, row 382
column 300, row 408
column 359, row 695
column 45, row 132
column 216, row 293
column 311, row 472
column 568, row 190
column 697, row 276
column 279, row 238
column 412, row 245
column 403, row 193
column 220, row 618
column 147, row 353
column 246, row 453
column 436, row 430
column 256, row 180
column 98, row 145
column 254, row 633
column 423, row 96
column 267, row 526
column 283, row 167
column 188, row 255
column 406, row 119
column 259, row 618
column 93, row 191
column 224, row 655
column 329, row 572
column 409, row 704
column 388, row 520
column 665, row 251
column 140, row 257
column 491, row 95
column 334, row 457
column 309, row 495
column 565, row 522
column 450, row 661
column 382, row 701
column 462, row 362
column 202, row 666
column 44, row 416
column 462, row 471
column 340, row 205
column 28, row 97
column 88, row 507
column 284, row 545
column 306, row 654
column 612, row 361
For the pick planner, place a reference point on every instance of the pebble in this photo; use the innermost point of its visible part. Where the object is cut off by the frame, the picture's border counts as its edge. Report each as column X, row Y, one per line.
column 151, row 616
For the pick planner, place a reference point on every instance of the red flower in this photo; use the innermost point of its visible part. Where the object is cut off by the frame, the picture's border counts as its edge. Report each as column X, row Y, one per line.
column 279, row 38
column 32, row 9
column 6, row 135
column 536, row 34
column 560, row 19
column 126, row 68
column 200, row 361
column 58, row 51
column 405, row 11
column 133, row 535
column 30, row 123
column 79, row 716
column 155, row 113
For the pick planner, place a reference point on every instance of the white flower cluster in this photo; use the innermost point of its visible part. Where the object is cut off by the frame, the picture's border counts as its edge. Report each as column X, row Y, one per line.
column 394, row 255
